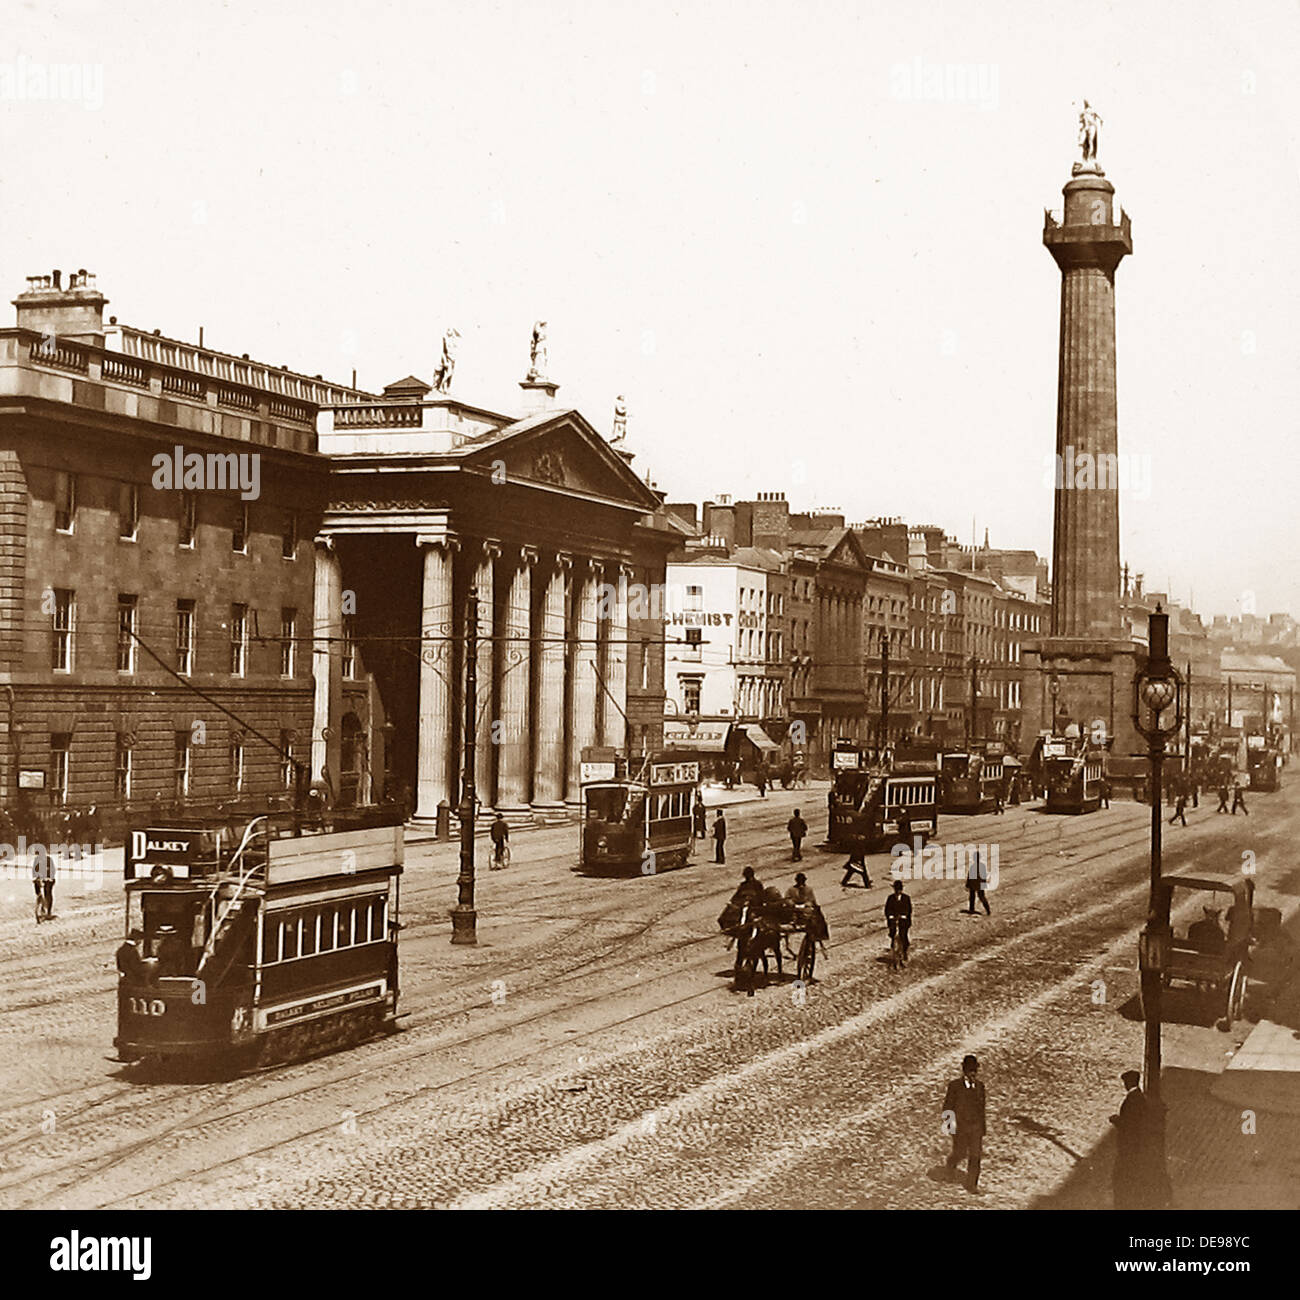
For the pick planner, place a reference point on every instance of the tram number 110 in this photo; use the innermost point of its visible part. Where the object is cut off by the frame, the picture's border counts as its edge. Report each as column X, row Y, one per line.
column 147, row 1006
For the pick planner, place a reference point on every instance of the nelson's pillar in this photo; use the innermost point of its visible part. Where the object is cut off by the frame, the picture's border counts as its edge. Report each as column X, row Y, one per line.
column 1083, row 671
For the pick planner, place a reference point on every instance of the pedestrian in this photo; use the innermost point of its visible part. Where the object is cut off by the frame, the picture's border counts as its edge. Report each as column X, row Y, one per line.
column 976, row 875
column 1223, row 798
column 1105, row 793
column 701, row 821
column 42, row 868
column 499, row 834
column 999, row 799
column 963, row 1116
column 1138, row 1179
column 760, row 780
column 719, row 837
column 1194, row 784
column 1239, row 800
column 1180, row 809
column 797, row 828
column 857, row 861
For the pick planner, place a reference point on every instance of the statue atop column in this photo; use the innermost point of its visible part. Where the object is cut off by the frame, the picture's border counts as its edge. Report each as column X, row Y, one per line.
column 620, row 421
column 537, row 351
column 1089, row 130
column 447, row 366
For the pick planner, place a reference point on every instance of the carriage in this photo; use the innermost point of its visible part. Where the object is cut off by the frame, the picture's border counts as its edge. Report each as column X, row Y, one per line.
column 639, row 825
column 1217, row 969
column 766, row 925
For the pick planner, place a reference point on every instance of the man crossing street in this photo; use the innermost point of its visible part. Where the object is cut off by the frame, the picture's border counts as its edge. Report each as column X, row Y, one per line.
column 719, row 837
column 797, row 829
column 963, row 1116
column 1239, row 800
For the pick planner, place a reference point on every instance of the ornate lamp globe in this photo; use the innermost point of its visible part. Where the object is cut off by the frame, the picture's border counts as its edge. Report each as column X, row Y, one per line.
column 1158, row 694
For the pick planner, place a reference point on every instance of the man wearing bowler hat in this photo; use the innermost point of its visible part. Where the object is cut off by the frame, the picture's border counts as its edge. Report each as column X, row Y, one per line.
column 963, row 1114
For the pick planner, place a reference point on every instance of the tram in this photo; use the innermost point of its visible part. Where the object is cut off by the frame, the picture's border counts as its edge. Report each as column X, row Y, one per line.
column 971, row 782
column 1073, row 773
column 258, row 943
column 640, row 824
column 879, row 804
column 1264, row 763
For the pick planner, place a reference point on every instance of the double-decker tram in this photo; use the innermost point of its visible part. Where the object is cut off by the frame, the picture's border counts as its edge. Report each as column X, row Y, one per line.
column 256, row 944
column 1073, row 773
column 642, row 823
column 877, row 803
column 970, row 782
column 1264, row 763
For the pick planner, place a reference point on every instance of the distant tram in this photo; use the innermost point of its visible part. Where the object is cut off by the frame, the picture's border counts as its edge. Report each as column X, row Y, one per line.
column 880, row 804
column 1264, row 763
column 1073, row 773
column 971, row 782
column 640, row 824
column 256, row 944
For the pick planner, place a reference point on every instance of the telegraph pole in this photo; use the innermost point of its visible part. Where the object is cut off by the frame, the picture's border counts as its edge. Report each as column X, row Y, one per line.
column 1187, row 726
column 974, row 703
column 884, row 688
column 464, row 919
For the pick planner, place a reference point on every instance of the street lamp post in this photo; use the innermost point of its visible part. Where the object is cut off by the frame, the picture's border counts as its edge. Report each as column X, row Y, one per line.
column 464, row 918
column 1157, row 715
column 1054, row 690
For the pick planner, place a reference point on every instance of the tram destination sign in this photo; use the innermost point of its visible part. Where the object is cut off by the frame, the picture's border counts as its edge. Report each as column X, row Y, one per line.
column 674, row 773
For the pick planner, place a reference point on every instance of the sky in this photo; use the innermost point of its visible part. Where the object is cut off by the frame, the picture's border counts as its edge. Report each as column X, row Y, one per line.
column 804, row 269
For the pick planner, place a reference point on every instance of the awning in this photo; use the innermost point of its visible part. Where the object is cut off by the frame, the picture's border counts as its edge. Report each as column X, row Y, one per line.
column 759, row 738
column 1008, row 761
column 707, row 738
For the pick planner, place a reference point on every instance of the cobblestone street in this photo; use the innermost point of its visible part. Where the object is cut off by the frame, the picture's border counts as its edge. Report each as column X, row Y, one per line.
column 590, row 1051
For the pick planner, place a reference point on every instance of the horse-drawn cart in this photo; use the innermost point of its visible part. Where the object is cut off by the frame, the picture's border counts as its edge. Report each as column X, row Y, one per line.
column 766, row 926
column 1204, row 955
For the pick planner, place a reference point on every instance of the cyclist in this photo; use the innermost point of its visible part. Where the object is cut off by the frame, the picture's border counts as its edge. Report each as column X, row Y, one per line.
column 499, row 832
column 43, row 883
column 898, row 916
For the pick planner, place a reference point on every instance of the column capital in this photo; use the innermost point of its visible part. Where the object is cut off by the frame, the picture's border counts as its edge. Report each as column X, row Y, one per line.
column 447, row 540
column 528, row 555
column 325, row 541
column 562, row 561
column 488, row 549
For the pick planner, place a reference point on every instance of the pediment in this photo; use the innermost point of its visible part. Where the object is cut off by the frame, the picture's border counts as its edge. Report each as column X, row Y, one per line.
column 563, row 453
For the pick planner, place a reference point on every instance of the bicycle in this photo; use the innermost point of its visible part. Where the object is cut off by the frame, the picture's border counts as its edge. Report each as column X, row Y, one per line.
column 501, row 856
column 898, row 949
column 44, row 901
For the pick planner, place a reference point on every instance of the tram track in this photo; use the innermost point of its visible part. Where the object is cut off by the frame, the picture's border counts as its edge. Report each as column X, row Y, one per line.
column 548, row 979
column 587, row 965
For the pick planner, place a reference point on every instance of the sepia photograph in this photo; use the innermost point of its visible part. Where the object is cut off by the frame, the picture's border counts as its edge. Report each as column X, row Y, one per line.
column 641, row 607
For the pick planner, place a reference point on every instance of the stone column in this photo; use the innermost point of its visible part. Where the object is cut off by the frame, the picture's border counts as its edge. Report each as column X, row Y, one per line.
column 614, row 729
column 436, row 759
column 484, row 749
column 584, row 687
column 549, row 762
column 327, row 663
column 514, row 771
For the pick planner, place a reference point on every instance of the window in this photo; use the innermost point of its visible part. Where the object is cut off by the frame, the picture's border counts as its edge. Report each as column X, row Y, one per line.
column 310, row 931
column 645, row 664
column 189, row 519
column 236, row 764
column 349, row 654
column 128, row 512
column 65, row 501
column 691, row 694
column 185, row 637
column 288, row 641
column 286, row 759
column 694, row 598
column 695, row 636
column 122, row 767
column 60, row 749
column 239, row 530
column 65, row 626
column 238, row 640
column 289, row 538
column 180, row 764
column 126, row 633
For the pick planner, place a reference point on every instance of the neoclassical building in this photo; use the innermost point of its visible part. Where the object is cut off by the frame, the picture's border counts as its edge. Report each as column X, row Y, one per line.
column 189, row 642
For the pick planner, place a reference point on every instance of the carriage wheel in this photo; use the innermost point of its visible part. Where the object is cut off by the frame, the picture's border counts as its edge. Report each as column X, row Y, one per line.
column 1236, row 995
column 807, row 959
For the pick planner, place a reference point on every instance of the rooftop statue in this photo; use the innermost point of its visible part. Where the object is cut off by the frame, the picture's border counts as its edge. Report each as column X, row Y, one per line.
column 537, row 351
column 1089, row 127
column 447, row 366
column 620, row 420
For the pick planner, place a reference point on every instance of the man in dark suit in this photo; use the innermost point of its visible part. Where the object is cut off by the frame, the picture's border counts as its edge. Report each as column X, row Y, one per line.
column 963, row 1114
column 720, row 837
column 1131, row 1143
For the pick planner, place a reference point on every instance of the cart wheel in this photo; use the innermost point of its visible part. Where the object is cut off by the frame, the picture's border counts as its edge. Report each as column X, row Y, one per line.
column 1236, row 995
column 807, row 960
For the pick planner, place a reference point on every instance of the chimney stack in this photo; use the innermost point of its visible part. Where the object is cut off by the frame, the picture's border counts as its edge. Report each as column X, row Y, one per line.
column 75, row 312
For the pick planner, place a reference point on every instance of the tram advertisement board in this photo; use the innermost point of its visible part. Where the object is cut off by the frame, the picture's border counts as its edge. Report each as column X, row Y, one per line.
column 674, row 773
